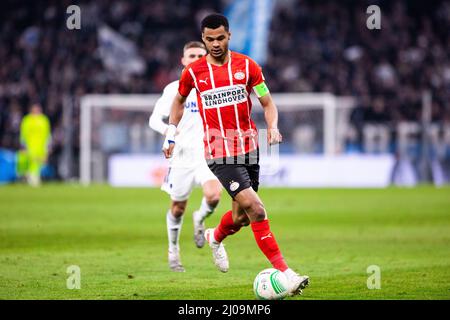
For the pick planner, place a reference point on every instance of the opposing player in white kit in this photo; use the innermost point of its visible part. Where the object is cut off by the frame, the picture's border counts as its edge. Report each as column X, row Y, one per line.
column 187, row 165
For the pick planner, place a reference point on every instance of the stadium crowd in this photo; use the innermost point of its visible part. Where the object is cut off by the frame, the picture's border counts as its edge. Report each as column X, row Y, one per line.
column 313, row 46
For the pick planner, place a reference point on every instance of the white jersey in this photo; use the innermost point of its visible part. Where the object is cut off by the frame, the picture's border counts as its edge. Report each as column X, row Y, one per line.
column 189, row 147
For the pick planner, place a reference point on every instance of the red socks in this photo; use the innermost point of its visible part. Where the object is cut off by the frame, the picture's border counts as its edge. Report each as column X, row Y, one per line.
column 268, row 245
column 226, row 227
column 263, row 236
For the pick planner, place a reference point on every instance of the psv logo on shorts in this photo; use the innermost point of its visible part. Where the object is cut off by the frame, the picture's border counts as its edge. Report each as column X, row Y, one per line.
column 234, row 185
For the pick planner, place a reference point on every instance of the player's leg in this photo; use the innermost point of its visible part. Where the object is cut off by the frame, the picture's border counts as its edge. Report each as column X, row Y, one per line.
column 250, row 202
column 211, row 196
column 212, row 191
column 34, row 170
column 233, row 178
column 179, row 183
column 174, row 222
column 232, row 221
column 36, row 157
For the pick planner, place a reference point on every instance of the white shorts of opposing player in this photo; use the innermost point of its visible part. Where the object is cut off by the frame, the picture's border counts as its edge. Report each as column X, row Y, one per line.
column 180, row 181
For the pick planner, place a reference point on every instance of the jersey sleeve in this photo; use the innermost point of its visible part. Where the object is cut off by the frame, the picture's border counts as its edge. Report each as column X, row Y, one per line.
column 162, row 109
column 186, row 83
column 256, row 79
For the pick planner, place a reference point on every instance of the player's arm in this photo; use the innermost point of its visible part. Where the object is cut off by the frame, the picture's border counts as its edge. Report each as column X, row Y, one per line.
column 261, row 90
column 177, row 109
column 162, row 110
column 271, row 116
column 157, row 123
column 185, row 86
column 176, row 113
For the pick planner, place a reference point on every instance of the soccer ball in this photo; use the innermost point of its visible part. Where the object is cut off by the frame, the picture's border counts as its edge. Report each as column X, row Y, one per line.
column 270, row 284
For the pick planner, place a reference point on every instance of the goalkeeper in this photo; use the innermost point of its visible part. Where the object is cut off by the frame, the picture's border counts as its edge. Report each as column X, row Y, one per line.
column 35, row 137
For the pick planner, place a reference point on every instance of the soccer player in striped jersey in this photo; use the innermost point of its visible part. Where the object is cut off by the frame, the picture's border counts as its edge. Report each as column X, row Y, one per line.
column 187, row 166
column 223, row 81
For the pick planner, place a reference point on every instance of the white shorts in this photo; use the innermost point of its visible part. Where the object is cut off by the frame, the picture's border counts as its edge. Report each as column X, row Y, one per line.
column 180, row 182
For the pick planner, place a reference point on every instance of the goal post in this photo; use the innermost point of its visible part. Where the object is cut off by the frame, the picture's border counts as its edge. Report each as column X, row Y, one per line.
column 325, row 113
column 129, row 102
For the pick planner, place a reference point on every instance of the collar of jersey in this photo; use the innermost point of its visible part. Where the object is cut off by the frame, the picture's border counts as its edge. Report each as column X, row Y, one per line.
column 225, row 64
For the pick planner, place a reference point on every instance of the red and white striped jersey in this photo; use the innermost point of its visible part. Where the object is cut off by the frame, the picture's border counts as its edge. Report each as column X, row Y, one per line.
column 223, row 95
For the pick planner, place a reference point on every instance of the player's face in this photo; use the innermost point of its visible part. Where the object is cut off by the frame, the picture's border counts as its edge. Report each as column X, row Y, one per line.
column 216, row 41
column 36, row 109
column 192, row 54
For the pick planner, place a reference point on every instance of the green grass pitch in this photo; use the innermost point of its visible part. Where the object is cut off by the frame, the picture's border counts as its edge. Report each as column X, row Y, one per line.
column 118, row 239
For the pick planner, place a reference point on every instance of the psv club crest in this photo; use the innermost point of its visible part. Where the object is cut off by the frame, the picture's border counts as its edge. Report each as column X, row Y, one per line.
column 239, row 75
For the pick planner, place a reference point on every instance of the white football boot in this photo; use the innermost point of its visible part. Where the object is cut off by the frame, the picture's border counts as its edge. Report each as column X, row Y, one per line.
column 296, row 282
column 218, row 251
column 175, row 262
column 199, row 230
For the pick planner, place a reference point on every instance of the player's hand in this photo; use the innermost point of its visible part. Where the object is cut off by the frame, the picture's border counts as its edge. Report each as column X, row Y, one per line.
column 168, row 149
column 274, row 136
column 169, row 141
